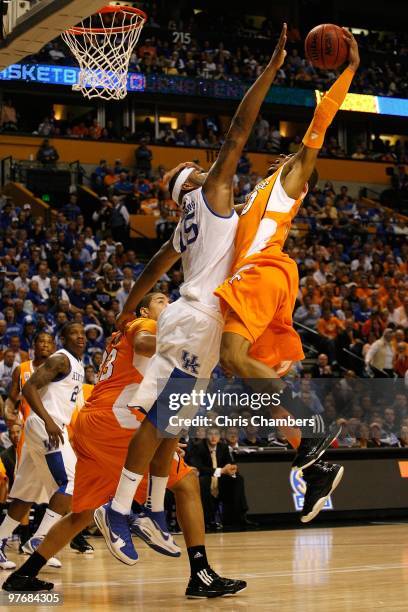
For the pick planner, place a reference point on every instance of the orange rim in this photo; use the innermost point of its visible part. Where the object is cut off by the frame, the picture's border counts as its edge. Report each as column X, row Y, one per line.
column 78, row 30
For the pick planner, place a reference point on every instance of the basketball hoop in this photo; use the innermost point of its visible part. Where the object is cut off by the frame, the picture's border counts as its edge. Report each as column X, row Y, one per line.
column 102, row 44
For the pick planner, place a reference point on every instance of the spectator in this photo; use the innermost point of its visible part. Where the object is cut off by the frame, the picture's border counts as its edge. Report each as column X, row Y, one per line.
column 401, row 314
column 231, row 438
column 7, row 367
column 78, row 298
column 71, row 210
column 252, row 437
column 308, row 314
column 329, row 327
column 123, row 186
column 95, row 131
column 120, row 220
column 380, row 355
column 400, row 363
column 46, row 128
column 8, row 117
column 143, row 157
column 219, row 481
column 47, row 154
column 43, row 280
column 90, row 376
column 322, row 369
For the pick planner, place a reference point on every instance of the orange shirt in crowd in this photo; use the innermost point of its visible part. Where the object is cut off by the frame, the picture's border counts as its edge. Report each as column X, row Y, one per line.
column 329, row 328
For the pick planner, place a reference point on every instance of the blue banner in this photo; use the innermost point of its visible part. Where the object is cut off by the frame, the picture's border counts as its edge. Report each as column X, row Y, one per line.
column 203, row 88
column 58, row 75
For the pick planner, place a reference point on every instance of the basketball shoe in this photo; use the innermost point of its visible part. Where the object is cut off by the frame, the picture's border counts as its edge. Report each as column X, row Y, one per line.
column 321, row 479
column 151, row 527
column 207, row 584
column 26, row 583
column 5, row 563
column 311, row 449
column 80, row 544
column 32, row 544
column 115, row 528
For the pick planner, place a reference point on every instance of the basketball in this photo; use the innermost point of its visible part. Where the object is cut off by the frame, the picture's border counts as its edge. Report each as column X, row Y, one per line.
column 325, row 46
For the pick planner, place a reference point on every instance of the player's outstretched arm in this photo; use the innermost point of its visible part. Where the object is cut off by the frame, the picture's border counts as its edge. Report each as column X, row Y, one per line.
column 54, row 366
column 218, row 184
column 159, row 264
column 299, row 169
column 11, row 401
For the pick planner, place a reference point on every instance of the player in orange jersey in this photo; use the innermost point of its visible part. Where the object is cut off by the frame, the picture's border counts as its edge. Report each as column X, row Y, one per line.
column 259, row 342
column 102, row 432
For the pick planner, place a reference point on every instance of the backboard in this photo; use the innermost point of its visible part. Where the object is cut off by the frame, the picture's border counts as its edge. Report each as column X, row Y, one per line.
column 27, row 25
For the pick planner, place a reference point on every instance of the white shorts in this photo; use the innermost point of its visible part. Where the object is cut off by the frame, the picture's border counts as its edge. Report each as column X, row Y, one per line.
column 43, row 472
column 187, row 351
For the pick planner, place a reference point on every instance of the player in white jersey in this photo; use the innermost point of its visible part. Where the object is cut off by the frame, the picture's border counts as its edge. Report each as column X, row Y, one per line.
column 47, row 464
column 189, row 330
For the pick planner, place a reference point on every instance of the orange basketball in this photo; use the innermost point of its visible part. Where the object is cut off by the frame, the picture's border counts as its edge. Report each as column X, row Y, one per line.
column 325, row 46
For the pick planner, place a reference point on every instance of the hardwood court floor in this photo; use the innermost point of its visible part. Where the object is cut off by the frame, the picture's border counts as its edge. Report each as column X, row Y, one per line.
column 343, row 569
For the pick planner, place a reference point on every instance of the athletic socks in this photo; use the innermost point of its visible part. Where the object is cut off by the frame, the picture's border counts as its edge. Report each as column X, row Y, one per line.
column 49, row 519
column 156, row 493
column 128, row 483
column 32, row 566
column 198, row 559
column 7, row 527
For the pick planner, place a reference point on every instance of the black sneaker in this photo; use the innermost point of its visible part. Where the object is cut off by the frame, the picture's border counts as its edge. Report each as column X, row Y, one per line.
column 207, row 584
column 321, row 480
column 81, row 545
column 26, row 583
column 311, row 449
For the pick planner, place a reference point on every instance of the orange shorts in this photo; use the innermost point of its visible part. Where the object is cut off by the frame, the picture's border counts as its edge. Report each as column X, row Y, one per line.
column 101, row 446
column 257, row 303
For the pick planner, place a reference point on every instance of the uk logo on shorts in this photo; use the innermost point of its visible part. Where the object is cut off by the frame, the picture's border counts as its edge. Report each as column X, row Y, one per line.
column 190, row 362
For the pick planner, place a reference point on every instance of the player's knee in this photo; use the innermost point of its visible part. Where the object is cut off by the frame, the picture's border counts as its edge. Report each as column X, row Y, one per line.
column 189, row 485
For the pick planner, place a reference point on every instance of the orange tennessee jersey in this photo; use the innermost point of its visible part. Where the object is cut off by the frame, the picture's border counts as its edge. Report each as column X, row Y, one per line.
column 26, row 370
column 120, row 373
column 265, row 222
column 82, row 398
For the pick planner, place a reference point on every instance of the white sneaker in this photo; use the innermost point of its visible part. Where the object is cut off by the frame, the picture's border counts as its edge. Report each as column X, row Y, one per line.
column 5, row 563
column 32, row 544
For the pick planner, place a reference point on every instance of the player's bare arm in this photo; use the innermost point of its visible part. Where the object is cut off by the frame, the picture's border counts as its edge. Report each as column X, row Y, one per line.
column 298, row 170
column 10, row 406
column 159, row 264
column 144, row 344
column 53, row 367
column 218, row 184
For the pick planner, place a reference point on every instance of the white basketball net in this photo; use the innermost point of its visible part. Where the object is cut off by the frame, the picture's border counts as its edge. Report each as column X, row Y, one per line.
column 102, row 45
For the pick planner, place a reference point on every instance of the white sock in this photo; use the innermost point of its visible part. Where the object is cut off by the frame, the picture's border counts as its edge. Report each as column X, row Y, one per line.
column 157, row 490
column 128, row 483
column 7, row 527
column 49, row 519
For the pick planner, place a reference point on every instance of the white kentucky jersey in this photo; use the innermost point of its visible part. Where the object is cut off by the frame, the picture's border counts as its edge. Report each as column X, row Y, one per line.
column 206, row 243
column 60, row 397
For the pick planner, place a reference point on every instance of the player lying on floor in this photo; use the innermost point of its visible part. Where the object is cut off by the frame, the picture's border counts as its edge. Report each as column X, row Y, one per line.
column 102, row 432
